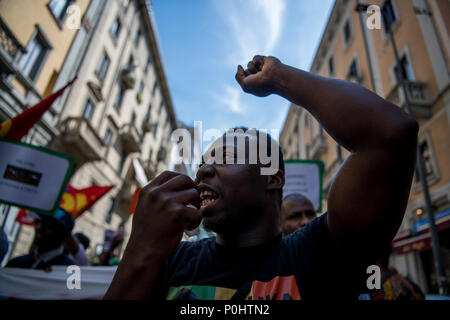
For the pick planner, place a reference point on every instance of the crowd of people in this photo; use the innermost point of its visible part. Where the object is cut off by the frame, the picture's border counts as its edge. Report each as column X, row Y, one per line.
column 55, row 244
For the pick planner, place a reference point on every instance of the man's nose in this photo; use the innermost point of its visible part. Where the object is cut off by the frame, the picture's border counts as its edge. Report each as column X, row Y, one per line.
column 205, row 171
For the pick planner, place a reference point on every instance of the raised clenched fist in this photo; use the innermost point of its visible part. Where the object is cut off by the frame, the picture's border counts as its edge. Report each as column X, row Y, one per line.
column 260, row 77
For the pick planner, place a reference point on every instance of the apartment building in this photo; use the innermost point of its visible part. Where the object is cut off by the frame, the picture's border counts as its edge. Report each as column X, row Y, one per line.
column 117, row 117
column 35, row 37
column 350, row 50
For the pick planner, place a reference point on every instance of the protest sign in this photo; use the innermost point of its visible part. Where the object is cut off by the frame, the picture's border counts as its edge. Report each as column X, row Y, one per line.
column 33, row 177
column 304, row 177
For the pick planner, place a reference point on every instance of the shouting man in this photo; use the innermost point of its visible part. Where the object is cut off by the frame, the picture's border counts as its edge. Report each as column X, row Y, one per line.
column 248, row 259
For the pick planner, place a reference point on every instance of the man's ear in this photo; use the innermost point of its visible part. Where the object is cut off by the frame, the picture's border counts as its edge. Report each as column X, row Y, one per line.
column 275, row 181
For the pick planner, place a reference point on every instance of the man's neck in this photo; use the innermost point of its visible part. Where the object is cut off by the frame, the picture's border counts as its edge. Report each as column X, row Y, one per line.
column 261, row 232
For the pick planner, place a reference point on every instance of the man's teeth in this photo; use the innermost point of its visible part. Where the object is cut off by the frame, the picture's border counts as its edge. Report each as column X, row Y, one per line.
column 207, row 193
column 207, row 202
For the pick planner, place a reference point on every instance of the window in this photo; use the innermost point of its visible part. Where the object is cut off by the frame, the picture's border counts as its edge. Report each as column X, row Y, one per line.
column 331, row 67
column 119, row 99
column 88, row 110
column 130, row 63
column 155, row 128
column 32, row 61
column 59, row 8
column 147, row 116
column 405, row 69
column 133, row 118
column 151, row 155
column 147, row 66
column 155, row 86
column 428, row 163
column 339, row 152
column 307, row 151
column 107, row 140
column 388, row 13
column 103, row 66
column 115, row 29
column 123, row 158
column 141, row 88
column 137, row 37
column 347, row 32
column 109, row 211
column 306, row 121
column 161, row 107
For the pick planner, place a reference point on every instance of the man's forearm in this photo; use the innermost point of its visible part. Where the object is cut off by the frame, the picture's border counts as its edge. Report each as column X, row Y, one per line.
column 135, row 276
column 352, row 115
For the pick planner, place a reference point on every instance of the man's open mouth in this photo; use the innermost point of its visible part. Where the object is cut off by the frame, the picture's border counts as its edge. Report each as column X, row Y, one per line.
column 208, row 197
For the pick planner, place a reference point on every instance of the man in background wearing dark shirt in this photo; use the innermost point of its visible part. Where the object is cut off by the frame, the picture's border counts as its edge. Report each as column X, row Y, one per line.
column 248, row 259
column 50, row 234
column 296, row 212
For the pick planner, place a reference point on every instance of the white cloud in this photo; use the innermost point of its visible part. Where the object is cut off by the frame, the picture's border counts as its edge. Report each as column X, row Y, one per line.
column 231, row 99
column 255, row 27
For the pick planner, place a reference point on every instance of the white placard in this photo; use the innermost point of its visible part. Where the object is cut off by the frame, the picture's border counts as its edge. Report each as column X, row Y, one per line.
column 32, row 177
column 304, row 177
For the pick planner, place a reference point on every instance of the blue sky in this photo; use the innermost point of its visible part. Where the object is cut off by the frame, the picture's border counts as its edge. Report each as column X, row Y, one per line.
column 203, row 41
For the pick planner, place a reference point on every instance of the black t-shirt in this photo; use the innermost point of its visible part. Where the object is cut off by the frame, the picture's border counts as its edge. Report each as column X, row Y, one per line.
column 304, row 265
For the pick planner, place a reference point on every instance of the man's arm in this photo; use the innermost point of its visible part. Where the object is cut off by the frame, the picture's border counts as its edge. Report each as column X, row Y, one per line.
column 368, row 196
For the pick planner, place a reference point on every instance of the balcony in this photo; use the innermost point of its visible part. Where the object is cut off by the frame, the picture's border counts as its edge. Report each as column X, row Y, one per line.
column 127, row 78
column 417, row 95
column 130, row 138
column 78, row 138
column 318, row 146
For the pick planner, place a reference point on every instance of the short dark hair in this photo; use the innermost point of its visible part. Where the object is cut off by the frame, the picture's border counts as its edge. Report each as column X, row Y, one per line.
column 269, row 153
column 84, row 240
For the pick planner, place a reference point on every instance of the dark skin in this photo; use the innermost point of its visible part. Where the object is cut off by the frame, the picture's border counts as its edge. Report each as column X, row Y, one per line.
column 295, row 214
column 366, row 201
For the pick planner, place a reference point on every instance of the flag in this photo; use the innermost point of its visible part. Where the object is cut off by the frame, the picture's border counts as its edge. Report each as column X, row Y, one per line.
column 26, row 217
column 134, row 200
column 77, row 201
column 18, row 126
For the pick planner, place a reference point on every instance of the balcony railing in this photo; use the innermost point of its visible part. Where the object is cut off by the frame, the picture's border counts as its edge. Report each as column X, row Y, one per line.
column 417, row 93
column 318, row 146
column 78, row 138
column 130, row 137
column 8, row 41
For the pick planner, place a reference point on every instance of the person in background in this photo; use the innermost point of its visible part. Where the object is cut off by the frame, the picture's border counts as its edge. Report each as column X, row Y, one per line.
column 51, row 231
column 76, row 245
column 4, row 244
column 393, row 285
column 296, row 212
column 109, row 257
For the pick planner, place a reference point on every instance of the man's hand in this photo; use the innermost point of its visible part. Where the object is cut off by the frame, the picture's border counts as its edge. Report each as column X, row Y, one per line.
column 260, row 78
column 160, row 218
column 162, row 213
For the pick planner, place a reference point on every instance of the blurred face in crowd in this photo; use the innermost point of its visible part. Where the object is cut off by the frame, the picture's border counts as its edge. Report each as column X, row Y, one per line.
column 233, row 191
column 296, row 212
column 49, row 234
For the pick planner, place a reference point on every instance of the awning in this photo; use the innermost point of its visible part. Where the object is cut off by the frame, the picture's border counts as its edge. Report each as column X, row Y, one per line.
column 422, row 241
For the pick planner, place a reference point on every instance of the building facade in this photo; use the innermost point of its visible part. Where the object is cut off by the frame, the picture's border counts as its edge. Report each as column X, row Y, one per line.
column 351, row 50
column 117, row 117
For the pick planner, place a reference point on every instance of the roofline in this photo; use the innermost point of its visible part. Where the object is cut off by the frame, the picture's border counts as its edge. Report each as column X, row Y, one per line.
column 147, row 17
column 338, row 4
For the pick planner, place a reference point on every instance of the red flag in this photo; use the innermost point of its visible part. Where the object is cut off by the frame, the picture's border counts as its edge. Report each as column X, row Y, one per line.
column 76, row 202
column 134, row 200
column 18, row 126
column 26, row 217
